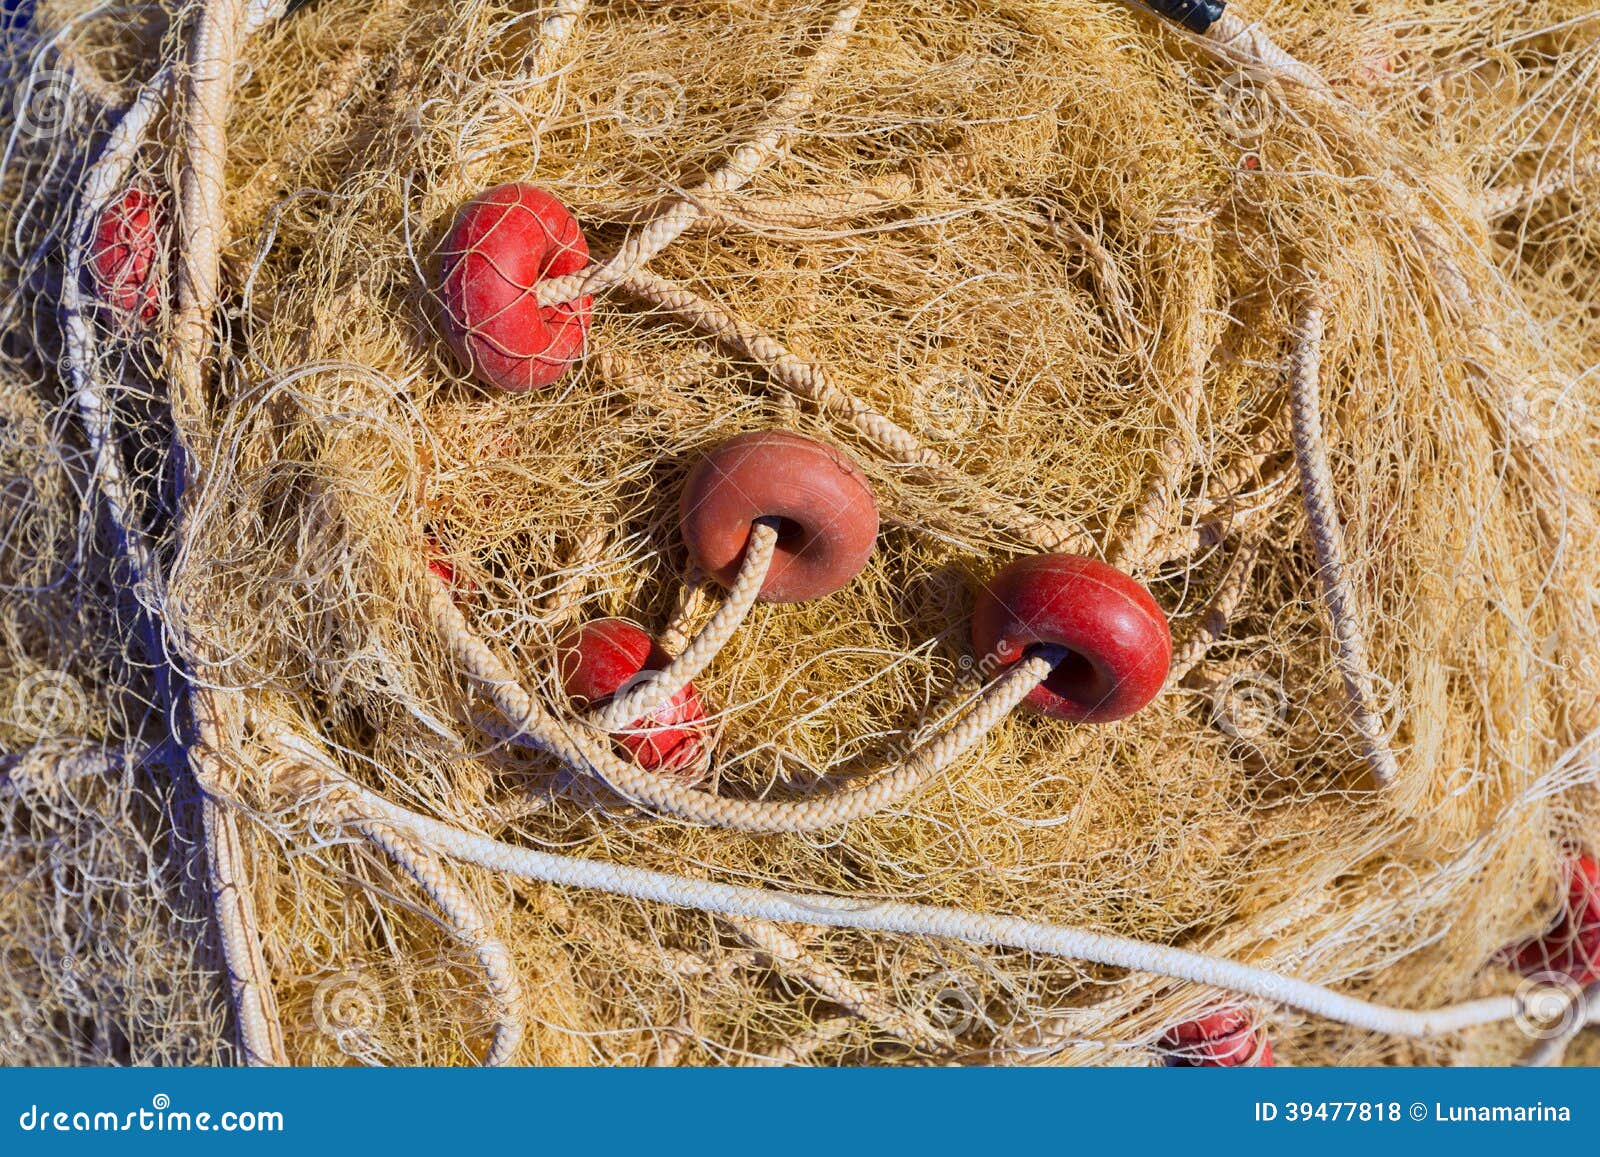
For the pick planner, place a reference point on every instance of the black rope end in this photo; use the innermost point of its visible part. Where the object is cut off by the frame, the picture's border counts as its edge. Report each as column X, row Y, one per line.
column 1195, row 15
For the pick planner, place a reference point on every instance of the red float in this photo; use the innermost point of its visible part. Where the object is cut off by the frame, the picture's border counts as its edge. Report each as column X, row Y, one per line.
column 1224, row 1039
column 440, row 566
column 1119, row 643
column 124, row 255
column 1571, row 946
column 816, row 498
column 609, row 655
column 503, row 244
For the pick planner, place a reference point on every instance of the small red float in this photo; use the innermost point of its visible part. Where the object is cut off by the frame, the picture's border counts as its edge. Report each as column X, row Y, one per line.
column 1120, row 646
column 440, row 566
column 1571, row 946
column 814, row 496
column 608, row 656
column 1224, row 1039
column 124, row 255
column 503, row 244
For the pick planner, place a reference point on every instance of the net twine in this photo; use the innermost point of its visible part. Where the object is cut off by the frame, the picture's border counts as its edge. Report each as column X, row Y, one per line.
column 391, row 828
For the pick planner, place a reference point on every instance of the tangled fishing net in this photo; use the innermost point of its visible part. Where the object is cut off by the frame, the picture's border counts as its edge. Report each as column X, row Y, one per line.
column 1289, row 314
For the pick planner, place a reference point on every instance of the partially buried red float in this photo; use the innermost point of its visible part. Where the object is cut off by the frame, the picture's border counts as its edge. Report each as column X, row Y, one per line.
column 811, row 493
column 503, row 244
column 607, row 656
column 1118, row 644
column 1571, row 945
column 1220, row 1040
column 124, row 255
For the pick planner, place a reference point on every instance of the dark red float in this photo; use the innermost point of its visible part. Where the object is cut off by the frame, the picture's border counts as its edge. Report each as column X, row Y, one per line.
column 1224, row 1039
column 1117, row 637
column 608, row 656
column 1571, row 946
column 503, row 244
column 811, row 493
column 124, row 255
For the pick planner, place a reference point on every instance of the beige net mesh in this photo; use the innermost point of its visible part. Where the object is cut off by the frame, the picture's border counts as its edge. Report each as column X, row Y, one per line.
column 1304, row 343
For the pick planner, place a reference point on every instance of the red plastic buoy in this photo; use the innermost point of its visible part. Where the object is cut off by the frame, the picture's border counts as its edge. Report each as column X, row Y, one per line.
column 124, row 255
column 609, row 655
column 1224, row 1039
column 1571, row 946
column 503, row 244
column 1118, row 637
column 816, row 497
column 440, row 566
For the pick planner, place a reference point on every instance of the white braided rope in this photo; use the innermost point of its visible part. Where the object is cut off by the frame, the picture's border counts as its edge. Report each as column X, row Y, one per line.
column 1505, row 199
column 663, row 685
column 790, row 957
column 223, row 24
column 812, row 383
column 747, row 160
column 1583, row 1012
column 1251, row 46
column 1327, row 535
column 583, row 750
column 49, row 765
column 469, row 925
column 895, row 917
column 798, row 1050
column 1214, row 624
column 254, row 1004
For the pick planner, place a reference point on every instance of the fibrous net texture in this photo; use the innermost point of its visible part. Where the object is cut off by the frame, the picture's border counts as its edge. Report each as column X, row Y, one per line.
column 1071, row 251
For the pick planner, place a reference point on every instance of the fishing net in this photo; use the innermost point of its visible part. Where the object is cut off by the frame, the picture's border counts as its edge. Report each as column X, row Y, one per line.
column 1287, row 314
